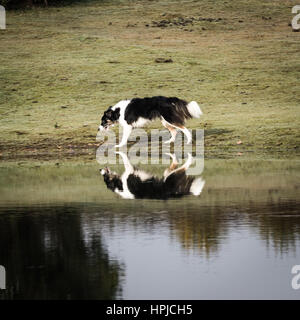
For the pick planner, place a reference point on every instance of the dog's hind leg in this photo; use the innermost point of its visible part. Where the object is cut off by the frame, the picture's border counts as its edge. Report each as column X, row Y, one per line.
column 173, row 127
column 173, row 166
column 173, row 131
column 126, row 133
column 184, row 167
column 187, row 134
column 188, row 162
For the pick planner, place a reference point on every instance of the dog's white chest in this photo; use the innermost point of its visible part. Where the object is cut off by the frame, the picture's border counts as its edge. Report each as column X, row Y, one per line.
column 140, row 122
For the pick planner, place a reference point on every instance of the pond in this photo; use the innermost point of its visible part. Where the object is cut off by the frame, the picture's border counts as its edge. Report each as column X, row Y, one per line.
column 65, row 235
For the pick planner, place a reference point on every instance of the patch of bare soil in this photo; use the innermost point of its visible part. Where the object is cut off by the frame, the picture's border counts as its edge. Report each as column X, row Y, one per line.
column 47, row 150
column 180, row 21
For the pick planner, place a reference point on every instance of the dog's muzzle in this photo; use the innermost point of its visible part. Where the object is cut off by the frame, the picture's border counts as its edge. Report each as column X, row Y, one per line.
column 106, row 128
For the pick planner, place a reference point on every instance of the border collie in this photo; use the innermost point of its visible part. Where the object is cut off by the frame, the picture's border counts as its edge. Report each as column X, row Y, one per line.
column 137, row 112
column 138, row 184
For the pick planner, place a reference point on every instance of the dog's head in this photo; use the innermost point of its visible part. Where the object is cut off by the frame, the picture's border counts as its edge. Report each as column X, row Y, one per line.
column 111, row 179
column 109, row 117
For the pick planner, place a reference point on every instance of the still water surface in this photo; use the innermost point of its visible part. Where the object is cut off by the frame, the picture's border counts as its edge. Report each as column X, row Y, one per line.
column 64, row 235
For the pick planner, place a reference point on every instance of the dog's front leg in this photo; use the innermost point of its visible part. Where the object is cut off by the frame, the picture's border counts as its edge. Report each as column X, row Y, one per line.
column 127, row 165
column 126, row 133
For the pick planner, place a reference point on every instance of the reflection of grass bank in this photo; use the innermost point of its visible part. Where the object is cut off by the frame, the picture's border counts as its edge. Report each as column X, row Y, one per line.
column 61, row 67
column 227, row 182
column 264, row 193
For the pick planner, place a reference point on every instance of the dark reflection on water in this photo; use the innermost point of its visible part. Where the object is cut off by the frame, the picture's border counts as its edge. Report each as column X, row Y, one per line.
column 49, row 253
column 238, row 239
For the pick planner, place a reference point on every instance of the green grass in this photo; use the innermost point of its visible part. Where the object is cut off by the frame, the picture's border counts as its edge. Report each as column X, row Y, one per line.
column 60, row 68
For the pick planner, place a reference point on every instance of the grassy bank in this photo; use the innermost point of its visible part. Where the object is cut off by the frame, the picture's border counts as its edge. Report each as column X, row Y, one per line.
column 61, row 67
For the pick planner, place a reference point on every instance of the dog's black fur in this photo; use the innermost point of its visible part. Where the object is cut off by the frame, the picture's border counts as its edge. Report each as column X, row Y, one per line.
column 177, row 185
column 172, row 109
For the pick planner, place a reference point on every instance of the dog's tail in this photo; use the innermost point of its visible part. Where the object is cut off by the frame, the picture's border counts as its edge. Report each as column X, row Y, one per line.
column 197, row 186
column 194, row 109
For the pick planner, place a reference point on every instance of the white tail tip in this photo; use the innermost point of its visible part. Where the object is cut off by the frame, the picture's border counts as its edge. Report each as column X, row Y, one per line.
column 197, row 186
column 194, row 109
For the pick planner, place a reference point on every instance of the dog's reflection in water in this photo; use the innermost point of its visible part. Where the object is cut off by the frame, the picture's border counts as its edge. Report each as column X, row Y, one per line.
column 138, row 184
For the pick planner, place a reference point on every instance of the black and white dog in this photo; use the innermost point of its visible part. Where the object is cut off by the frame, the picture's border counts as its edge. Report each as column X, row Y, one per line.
column 137, row 112
column 138, row 184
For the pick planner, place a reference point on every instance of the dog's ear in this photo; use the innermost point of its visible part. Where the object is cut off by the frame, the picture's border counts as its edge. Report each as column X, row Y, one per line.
column 116, row 114
column 108, row 110
column 108, row 113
